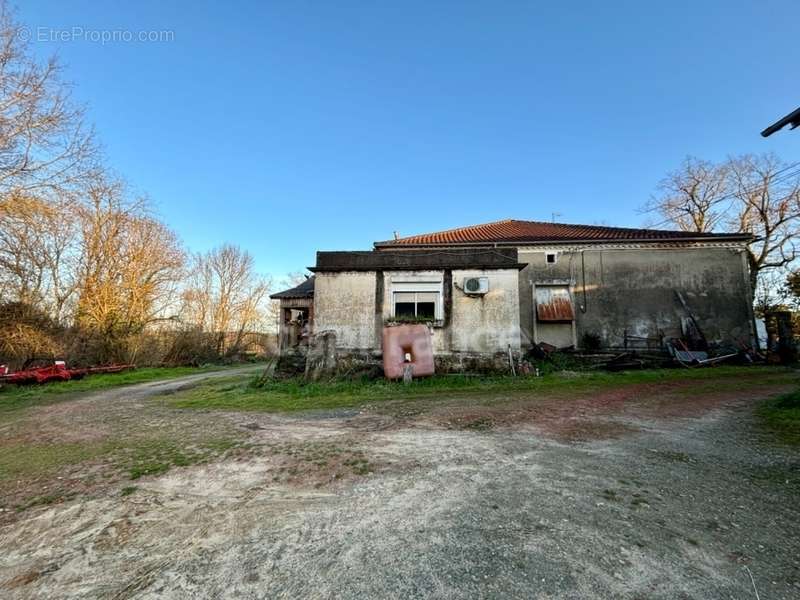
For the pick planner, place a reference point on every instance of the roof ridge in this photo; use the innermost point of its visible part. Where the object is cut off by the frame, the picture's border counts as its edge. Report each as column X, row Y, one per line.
column 454, row 229
column 626, row 228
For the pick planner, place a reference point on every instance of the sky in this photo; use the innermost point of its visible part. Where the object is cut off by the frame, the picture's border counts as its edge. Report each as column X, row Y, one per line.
column 290, row 127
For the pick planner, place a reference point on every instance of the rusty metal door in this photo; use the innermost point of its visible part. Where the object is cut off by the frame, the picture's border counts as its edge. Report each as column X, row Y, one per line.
column 554, row 315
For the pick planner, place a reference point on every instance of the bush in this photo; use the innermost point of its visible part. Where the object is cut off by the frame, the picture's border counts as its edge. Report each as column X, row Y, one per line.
column 591, row 342
column 25, row 333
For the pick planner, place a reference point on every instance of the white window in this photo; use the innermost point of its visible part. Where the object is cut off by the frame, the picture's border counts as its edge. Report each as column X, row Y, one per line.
column 550, row 258
column 417, row 299
column 416, row 304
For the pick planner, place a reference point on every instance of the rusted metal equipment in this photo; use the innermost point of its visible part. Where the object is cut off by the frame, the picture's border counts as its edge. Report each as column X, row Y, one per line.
column 696, row 337
column 57, row 371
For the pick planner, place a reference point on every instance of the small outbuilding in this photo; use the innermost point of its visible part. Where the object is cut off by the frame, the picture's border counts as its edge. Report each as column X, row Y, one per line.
column 296, row 314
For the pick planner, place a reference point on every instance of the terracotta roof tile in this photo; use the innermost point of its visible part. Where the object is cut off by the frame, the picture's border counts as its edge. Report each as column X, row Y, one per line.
column 511, row 231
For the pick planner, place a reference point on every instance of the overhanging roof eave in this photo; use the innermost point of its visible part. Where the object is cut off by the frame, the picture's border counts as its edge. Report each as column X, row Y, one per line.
column 341, row 268
column 723, row 237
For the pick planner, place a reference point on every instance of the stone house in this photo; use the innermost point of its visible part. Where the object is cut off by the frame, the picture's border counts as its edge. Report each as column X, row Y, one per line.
column 512, row 284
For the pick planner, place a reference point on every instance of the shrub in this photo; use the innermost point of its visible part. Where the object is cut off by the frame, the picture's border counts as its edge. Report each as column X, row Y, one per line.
column 591, row 341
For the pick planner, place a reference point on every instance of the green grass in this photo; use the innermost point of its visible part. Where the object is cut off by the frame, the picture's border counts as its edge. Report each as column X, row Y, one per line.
column 126, row 458
column 296, row 395
column 25, row 460
column 13, row 398
column 134, row 457
column 782, row 415
column 157, row 456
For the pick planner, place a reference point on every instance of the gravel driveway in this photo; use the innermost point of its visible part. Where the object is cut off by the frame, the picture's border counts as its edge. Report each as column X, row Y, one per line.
column 648, row 504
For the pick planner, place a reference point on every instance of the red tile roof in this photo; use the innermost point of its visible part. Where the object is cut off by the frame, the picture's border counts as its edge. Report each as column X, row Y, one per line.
column 511, row 231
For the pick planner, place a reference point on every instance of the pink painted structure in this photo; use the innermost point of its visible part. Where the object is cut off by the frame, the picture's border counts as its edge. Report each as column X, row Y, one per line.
column 407, row 344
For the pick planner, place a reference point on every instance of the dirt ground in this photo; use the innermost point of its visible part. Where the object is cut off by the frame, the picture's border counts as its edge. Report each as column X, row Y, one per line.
column 641, row 491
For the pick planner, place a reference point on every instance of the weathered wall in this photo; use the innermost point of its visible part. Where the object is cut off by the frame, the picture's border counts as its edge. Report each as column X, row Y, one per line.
column 479, row 324
column 345, row 303
column 634, row 290
column 487, row 323
column 440, row 338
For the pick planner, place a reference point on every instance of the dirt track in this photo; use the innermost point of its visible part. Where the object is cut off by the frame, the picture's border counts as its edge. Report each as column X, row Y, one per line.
column 626, row 495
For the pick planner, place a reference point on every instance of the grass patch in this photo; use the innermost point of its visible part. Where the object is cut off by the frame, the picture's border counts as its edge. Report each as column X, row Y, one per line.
column 782, row 416
column 135, row 457
column 297, row 395
column 610, row 495
column 157, row 456
column 317, row 461
column 479, row 424
column 128, row 490
column 13, row 398
column 29, row 460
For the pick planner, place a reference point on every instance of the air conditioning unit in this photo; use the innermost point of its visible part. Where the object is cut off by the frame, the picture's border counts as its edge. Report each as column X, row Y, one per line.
column 476, row 285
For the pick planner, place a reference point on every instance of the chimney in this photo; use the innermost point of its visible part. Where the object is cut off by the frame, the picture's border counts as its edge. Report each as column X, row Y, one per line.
column 396, row 235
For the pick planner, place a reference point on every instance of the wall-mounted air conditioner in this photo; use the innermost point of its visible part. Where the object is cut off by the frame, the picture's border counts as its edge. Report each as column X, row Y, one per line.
column 476, row 285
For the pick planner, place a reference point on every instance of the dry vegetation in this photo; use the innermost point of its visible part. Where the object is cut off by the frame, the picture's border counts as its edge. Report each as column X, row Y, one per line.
column 87, row 270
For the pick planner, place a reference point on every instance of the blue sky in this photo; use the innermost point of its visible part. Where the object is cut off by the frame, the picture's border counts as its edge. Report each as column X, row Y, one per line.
column 288, row 127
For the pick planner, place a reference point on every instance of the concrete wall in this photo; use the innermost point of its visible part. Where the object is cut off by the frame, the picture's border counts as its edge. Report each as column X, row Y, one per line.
column 356, row 304
column 487, row 323
column 633, row 289
column 345, row 303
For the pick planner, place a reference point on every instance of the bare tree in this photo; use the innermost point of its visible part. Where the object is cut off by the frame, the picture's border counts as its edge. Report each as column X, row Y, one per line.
column 130, row 267
column 76, row 247
column 38, row 253
column 692, row 197
column 44, row 145
column 767, row 204
column 292, row 279
column 759, row 195
column 225, row 296
column 47, row 158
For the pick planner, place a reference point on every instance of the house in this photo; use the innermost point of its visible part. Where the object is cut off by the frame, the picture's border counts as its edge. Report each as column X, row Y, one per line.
column 512, row 284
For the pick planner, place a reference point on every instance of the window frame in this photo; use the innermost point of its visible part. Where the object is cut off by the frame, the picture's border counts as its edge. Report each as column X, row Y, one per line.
column 418, row 286
column 416, row 302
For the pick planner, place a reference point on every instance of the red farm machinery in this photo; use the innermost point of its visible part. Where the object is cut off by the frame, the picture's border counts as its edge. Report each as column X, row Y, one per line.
column 56, row 370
